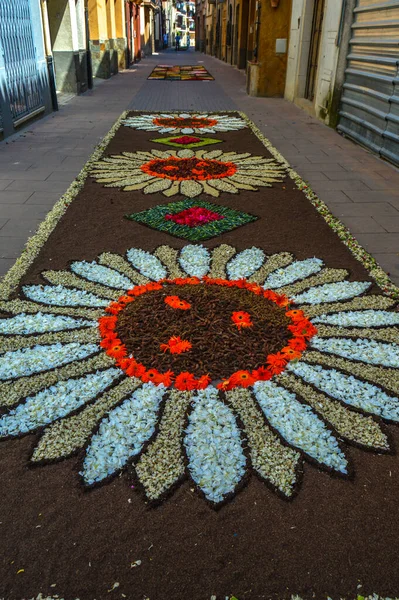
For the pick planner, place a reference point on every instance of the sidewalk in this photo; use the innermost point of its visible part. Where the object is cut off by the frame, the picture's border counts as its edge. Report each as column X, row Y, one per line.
column 38, row 164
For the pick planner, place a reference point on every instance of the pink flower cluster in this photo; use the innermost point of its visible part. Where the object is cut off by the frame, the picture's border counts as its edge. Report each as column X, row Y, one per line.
column 186, row 139
column 194, row 216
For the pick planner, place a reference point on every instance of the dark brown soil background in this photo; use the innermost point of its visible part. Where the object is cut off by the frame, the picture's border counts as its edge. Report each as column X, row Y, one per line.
column 333, row 536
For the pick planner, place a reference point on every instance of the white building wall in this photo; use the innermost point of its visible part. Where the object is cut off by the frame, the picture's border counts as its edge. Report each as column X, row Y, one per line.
column 298, row 55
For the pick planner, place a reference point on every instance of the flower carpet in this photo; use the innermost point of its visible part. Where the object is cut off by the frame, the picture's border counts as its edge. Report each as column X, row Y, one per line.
column 197, row 400
column 180, row 73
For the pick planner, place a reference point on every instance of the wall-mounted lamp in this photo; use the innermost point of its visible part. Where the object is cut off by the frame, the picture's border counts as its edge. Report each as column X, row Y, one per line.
column 274, row 3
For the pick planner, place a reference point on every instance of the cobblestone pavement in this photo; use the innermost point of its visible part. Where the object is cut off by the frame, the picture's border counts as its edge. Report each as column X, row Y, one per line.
column 38, row 164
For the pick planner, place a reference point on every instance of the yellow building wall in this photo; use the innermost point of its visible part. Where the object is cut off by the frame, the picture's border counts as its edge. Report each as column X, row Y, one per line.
column 267, row 73
column 98, row 20
column 107, row 36
column 111, row 19
column 120, row 18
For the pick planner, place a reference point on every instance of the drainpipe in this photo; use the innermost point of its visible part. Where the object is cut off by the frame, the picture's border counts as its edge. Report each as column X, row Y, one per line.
column 49, row 55
column 88, row 51
column 257, row 24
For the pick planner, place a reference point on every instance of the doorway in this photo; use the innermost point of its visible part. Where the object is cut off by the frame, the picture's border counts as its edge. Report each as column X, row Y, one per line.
column 317, row 26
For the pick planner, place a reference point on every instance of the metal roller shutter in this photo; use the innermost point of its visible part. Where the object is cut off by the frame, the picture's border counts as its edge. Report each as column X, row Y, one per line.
column 370, row 102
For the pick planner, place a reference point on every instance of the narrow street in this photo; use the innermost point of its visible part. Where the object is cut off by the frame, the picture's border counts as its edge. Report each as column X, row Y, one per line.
column 38, row 164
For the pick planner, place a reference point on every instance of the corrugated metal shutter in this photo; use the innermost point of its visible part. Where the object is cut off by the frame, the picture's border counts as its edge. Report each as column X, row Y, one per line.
column 370, row 102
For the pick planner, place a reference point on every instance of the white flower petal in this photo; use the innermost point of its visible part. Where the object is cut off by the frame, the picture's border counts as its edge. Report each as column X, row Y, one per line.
column 213, row 445
column 300, row 269
column 99, row 274
column 146, row 263
column 348, row 389
column 332, row 292
column 122, row 433
column 245, row 263
column 58, row 295
column 55, row 402
column 369, row 351
column 159, row 185
column 360, row 318
column 299, row 425
column 22, row 363
column 191, row 188
column 25, row 324
column 195, row 260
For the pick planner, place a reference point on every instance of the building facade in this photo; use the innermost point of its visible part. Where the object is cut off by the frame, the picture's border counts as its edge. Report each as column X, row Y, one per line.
column 67, row 43
column 132, row 14
column 50, row 47
column 24, row 82
column 251, row 35
column 343, row 68
column 108, row 39
column 150, row 26
column 315, row 36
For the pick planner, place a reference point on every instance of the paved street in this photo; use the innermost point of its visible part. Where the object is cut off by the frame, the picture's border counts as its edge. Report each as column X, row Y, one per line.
column 38, row 164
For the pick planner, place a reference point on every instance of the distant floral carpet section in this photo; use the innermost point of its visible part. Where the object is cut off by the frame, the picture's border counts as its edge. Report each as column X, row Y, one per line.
column 174, row 358
column 180, row 73
column 185, row 123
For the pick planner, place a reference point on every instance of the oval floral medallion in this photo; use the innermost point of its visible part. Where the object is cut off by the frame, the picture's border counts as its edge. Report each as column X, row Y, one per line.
column 193, row 122
column 174, row 362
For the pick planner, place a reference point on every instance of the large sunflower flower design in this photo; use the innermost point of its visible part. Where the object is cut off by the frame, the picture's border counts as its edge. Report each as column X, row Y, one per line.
column 199, row 363
column 188, row 172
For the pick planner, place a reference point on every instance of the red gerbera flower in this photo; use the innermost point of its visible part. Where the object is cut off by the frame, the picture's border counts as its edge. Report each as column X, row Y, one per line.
column 114, row 308
column 297, row 343
column 295, row 314
column 135, row 369
column 106, row 324
column 152, row 375
column 185, row 381
column 277, row 362
column 290, row 353
column 241, row 319
column 281, row 300
column 138, row 290
column 203, row 382
column 167, row 378
column 262, row 374
column 109, row 340
column 303, row 328
column 225, row 385
column 176, row 302
column 117, row 350
column 270, row 295
column 176, row 345
column 242, row 379
column 186, row 281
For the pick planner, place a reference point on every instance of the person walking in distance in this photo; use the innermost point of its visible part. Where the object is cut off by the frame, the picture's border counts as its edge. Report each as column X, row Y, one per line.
column 177, row 40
